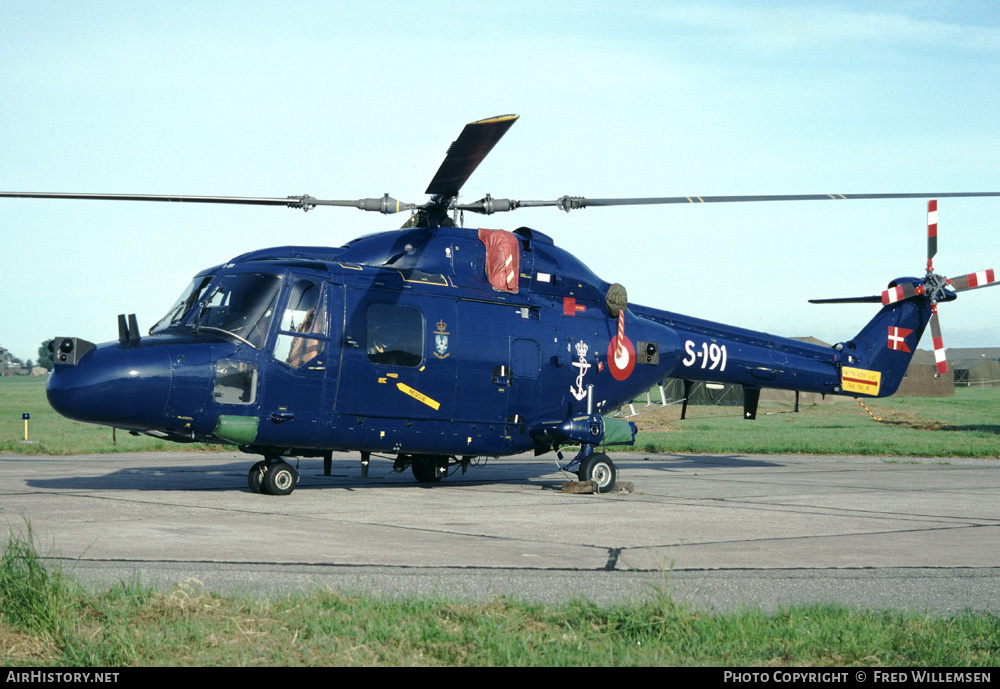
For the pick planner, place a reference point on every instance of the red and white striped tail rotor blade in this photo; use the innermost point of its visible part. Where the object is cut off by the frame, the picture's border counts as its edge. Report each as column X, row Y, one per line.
column 939, row 357
column 898, row 293
column 982, row 278
column 932, row 228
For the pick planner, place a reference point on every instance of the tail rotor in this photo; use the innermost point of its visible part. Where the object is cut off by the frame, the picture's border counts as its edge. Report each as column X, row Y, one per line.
column 934, row 287
column 938, row 288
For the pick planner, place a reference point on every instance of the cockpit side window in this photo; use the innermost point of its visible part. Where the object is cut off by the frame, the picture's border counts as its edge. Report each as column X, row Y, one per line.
column 304, row 318
column 305, row 311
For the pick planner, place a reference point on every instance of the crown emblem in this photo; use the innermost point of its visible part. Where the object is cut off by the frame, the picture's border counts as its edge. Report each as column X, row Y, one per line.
column 441, row 325
column 581, row 349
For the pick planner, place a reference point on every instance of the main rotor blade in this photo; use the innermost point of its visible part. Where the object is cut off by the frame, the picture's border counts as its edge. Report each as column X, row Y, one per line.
column 776, row 197
column 293, row 201
column 568, row 203
column 466, row 152
column 385, row 204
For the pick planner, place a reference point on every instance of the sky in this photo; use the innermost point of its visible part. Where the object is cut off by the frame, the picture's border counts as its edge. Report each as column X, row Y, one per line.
column 616, row 99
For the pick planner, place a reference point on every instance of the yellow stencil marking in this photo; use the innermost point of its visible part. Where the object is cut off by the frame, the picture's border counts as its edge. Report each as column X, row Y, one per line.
column 860, row 380
column 419, row 396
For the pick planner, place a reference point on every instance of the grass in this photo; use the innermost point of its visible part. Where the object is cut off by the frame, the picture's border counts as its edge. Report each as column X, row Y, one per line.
column 966, row 425
column 47, row 619
column 52, row 434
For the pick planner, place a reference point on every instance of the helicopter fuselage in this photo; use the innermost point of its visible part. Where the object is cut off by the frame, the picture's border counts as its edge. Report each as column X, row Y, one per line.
column 440, row 344
column 400, row 343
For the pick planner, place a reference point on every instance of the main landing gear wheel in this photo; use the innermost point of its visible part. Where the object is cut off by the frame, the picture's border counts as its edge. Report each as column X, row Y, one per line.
column 598, row 468
column 279, row 479
column 429, row 469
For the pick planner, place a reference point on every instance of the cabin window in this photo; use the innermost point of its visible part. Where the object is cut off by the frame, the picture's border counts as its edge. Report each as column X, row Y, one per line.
column 235, row 382
column 394, row 335
column 304, row 316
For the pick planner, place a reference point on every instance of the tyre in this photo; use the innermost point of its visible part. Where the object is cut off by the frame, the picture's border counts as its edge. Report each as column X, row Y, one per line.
column 279, row 479
column 599, row 468
column 429, row 469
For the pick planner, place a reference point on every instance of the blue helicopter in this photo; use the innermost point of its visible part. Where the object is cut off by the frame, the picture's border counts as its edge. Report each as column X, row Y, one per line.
column 437, row 344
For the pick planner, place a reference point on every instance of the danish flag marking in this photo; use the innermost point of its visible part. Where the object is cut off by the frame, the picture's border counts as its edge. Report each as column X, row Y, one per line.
column 897, row 338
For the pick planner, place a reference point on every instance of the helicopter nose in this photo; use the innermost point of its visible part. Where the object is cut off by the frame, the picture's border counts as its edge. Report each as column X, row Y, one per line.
column 112, row 385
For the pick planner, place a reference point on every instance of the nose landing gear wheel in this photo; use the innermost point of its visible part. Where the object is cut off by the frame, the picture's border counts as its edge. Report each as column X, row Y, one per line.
column 599, row 468
column 279, row 479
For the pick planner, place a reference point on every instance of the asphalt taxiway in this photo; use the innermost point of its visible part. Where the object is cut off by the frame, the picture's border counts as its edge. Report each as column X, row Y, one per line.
column 719, row 532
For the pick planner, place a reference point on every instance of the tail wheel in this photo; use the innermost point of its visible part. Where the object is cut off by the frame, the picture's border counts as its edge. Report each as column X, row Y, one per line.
column 279, row 479
column 599, row 468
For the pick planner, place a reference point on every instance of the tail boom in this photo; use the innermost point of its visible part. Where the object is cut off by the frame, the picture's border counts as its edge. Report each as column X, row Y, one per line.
column 871, row 364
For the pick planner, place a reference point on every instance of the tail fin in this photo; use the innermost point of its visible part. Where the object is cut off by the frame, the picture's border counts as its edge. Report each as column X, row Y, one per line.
column 875, row 361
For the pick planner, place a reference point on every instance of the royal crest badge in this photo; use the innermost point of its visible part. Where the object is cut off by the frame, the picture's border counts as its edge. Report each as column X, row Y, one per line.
column 441, row 341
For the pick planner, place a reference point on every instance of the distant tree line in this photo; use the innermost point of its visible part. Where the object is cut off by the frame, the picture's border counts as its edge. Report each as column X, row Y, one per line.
column 8, row 360
column 45, row 356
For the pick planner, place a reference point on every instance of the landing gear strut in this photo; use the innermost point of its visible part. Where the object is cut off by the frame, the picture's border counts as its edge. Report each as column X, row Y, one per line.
column 255, row 476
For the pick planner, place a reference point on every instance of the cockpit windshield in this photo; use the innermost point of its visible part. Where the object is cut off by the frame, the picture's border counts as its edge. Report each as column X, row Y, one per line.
column 189, row 297
column 238, row 305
